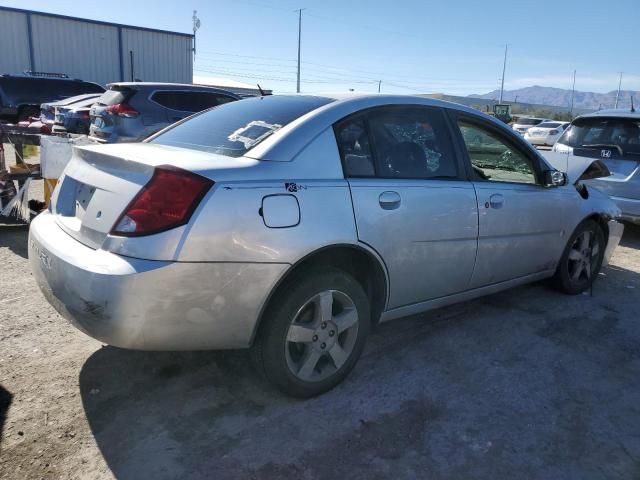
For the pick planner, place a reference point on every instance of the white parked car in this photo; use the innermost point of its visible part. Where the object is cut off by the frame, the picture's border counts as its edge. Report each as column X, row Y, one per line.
column 545, row 133
column 522, row 124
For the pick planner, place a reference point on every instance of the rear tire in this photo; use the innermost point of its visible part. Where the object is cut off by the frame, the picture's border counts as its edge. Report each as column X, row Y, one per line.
column 313, row 332
column 581, row 260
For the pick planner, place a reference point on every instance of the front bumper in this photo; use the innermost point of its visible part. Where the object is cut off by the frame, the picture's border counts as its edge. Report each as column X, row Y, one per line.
column 144, row 304
column 630, row 208
column 616, row 229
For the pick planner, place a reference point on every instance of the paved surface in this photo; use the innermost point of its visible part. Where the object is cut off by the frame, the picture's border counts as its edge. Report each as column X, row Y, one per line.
column 527, row 383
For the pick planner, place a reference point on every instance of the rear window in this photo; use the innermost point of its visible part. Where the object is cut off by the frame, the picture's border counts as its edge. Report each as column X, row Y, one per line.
column 528, row 121
column 190, row 101
column 549, row 125
column 236, row 127
column 601, row 132
column 40, row 90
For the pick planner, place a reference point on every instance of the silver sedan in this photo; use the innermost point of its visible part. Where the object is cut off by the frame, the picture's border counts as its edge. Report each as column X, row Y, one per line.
column 293, row 224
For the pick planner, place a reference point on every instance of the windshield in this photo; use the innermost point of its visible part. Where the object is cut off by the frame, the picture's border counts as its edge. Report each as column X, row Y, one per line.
column 528, row 121
column 234, row 128
column 549, row 125
column 622, row 132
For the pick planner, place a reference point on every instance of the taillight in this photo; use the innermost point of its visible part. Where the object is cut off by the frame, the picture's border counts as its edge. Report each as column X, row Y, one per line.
column 122, row 110
column 167, row 201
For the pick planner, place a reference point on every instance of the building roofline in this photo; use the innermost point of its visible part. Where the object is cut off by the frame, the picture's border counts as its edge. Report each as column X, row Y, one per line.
column 95, row 22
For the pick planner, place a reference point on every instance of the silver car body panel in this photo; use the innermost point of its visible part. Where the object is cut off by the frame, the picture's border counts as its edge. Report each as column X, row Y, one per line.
column 149, row 305
column 205, row 284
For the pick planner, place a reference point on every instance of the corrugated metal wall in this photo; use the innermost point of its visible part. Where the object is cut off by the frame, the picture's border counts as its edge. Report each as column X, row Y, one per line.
column 91, row 51
column 157, row 56
column 79, row 49
column 14, row 49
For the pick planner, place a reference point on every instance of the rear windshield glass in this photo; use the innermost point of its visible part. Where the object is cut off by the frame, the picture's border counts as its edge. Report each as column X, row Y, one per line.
column 528, row 121
column 602, row 132
column 549, row 125
column 234, row 128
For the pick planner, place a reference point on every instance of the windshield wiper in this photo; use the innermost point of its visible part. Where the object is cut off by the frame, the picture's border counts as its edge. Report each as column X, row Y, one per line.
column 605, row 145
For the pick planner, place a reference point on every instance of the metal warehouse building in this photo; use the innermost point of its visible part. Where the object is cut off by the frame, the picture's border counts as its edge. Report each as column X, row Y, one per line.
column 91, row 50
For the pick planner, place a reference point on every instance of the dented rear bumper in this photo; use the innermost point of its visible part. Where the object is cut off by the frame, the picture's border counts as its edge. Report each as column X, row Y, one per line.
column 144, row 304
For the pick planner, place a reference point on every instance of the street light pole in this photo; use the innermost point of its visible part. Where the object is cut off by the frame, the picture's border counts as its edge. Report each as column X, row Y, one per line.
column 299, row 45
column 573, row 92
column 379, row 85
column 504, row 67
column 618, row 94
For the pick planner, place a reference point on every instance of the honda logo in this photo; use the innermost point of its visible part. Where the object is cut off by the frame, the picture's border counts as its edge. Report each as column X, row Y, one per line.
column 605, row 153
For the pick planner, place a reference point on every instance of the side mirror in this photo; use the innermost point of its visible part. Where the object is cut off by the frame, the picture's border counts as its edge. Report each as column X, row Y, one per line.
column 554, row 178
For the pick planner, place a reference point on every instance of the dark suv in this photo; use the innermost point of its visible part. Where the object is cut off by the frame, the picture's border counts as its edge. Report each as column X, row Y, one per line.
column 22, row 95
column 133, row 111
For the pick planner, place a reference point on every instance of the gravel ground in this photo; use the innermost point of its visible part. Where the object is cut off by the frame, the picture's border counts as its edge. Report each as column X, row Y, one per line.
column 528, row 383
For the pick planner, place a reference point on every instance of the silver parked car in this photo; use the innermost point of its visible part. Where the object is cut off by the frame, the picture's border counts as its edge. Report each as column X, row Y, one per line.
column 292, row 224
column 133, row 111
column 613, row 136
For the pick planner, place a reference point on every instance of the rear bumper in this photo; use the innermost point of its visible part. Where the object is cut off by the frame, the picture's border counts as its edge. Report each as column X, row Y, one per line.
column 148, row 305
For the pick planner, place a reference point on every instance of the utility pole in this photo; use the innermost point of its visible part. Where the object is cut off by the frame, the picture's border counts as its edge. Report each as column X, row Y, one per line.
column 573, row 92
column 504, row 67
column 299, row 45
column 196, row 26
column 379, row 85
column 618, row 94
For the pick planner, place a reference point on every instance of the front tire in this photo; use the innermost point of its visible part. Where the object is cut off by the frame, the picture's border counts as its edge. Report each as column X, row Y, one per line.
column 313, row 332
column 581, row 260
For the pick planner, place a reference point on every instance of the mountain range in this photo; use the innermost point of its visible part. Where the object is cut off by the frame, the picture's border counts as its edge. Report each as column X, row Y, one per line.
column 560, row 97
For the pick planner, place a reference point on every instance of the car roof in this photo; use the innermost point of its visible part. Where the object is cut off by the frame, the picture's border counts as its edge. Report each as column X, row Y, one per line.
column 163, row 84
column 613, row 112
column 283, row 145
column 43, row 77
column 521, row 117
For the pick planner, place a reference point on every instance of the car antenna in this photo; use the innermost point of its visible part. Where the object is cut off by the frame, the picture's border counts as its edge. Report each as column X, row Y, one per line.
column 632, row 108
column 261, row 91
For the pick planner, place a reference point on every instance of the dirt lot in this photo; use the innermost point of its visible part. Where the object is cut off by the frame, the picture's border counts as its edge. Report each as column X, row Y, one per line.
column 527, row 383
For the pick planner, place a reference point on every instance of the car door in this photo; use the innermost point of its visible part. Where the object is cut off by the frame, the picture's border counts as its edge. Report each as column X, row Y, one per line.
column 410, row 199
column 521, row 222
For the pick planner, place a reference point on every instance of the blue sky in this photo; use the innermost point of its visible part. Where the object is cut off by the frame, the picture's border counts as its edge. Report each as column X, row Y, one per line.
column 413, row 46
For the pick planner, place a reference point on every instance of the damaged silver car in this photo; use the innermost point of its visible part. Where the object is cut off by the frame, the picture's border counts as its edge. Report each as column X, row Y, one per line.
column 293, row 224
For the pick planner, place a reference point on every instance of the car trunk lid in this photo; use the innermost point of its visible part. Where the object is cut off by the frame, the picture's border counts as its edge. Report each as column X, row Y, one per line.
column 100, row 181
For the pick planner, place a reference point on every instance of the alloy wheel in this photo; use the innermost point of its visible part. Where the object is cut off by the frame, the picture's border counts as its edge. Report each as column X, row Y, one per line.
column 322, row 336
column 583, row 257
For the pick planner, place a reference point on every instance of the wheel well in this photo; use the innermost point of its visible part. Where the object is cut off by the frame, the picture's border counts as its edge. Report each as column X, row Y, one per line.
column 600, row 220
column 356, row 261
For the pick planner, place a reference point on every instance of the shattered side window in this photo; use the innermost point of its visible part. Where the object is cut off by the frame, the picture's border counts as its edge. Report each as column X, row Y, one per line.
column 236, row 127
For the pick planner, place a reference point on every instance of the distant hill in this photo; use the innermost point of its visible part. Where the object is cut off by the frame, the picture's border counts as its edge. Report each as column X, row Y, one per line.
column 486, row 105
column 560, row 97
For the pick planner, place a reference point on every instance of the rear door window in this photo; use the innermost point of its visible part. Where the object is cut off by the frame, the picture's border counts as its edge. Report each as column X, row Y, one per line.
column 354, row 146
column 411, row 142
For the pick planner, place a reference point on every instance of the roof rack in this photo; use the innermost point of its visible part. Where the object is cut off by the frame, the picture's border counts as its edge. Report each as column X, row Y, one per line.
column 45, row 74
